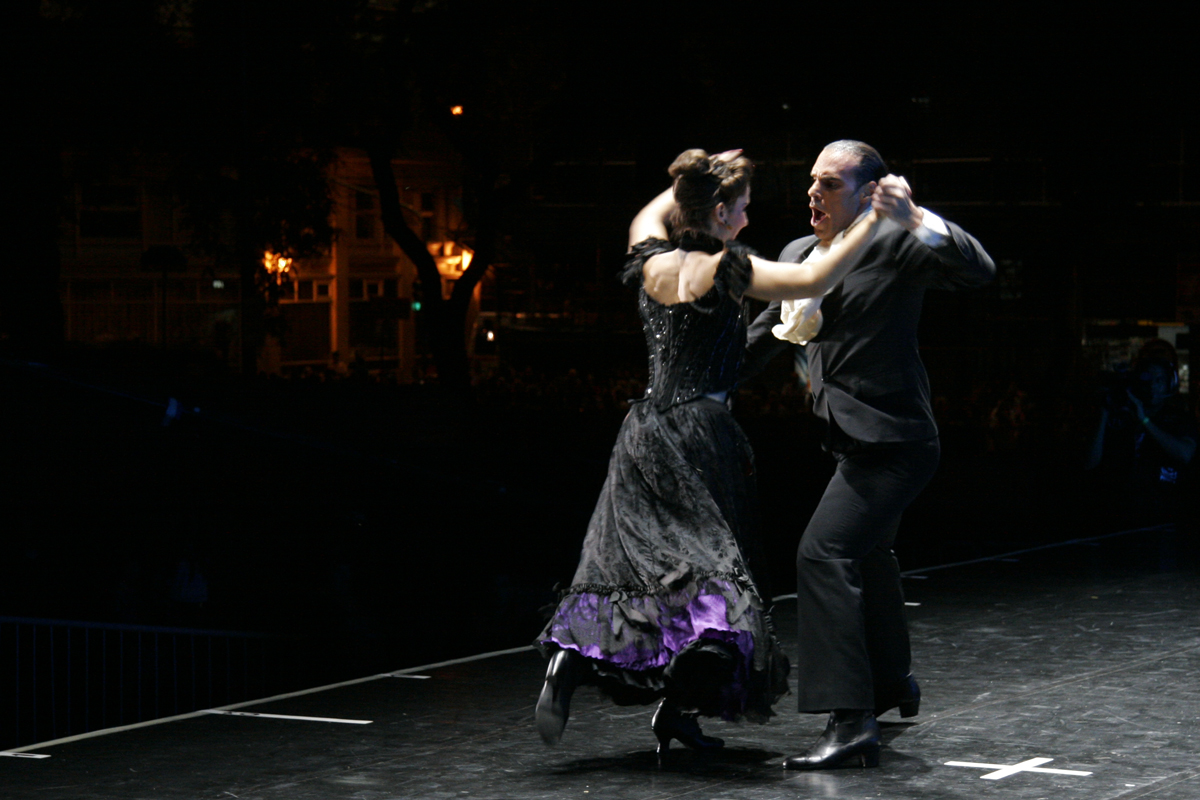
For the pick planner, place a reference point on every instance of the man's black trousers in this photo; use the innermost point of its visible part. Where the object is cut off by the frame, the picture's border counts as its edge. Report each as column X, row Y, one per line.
column 853, row 632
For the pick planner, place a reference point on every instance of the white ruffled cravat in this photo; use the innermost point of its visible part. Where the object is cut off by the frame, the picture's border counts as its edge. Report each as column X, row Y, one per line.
column 800, row 320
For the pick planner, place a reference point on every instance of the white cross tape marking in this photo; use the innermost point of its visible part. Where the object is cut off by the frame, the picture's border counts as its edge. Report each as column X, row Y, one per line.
column 1004, row 771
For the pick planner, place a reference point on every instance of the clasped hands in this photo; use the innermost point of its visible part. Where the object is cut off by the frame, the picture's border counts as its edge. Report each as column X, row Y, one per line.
column 893, row 198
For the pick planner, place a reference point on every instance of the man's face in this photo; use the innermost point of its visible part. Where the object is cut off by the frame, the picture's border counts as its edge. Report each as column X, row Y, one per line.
column 1160, row 388
column 835, row 197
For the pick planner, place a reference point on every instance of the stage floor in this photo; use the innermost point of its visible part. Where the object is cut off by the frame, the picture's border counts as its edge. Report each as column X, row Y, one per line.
column 1082, row 658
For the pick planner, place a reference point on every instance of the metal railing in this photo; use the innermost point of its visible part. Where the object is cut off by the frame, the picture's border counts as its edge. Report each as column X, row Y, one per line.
column 61, row 678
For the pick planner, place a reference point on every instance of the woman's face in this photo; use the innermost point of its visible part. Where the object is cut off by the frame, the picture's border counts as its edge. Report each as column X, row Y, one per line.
column 729, row 220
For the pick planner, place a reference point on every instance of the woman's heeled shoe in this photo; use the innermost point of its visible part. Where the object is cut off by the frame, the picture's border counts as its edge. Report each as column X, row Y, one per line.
column 850, row 736
column 554, row 703
column 671, row 723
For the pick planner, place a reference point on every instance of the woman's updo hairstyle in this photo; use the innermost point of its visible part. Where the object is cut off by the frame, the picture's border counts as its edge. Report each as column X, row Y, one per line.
column 700, row 182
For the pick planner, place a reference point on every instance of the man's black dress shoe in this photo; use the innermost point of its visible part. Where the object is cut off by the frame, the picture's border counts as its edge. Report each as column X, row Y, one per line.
column 554, row 703
column 850, row 736
column 906, row 697
column 671, row 723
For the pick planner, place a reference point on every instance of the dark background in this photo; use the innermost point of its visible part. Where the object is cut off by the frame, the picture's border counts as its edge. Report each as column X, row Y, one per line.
column 384, row 525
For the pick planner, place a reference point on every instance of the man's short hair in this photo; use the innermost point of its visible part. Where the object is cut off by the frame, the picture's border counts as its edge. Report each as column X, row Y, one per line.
column 871, row 166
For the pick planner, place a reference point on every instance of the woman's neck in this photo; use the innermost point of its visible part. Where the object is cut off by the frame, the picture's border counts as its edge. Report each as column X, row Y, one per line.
column 696, row 240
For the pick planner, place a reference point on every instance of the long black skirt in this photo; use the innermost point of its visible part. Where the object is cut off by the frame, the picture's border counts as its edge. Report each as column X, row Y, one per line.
column 664, row 603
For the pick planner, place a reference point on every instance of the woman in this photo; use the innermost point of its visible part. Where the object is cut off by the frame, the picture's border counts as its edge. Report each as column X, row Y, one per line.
column 663, row 605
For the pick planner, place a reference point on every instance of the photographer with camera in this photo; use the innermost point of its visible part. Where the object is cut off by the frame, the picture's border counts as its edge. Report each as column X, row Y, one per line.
column 1144, row 442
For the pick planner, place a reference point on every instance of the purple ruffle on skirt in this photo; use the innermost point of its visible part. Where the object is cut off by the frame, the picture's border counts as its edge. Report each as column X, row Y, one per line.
column 653, row 628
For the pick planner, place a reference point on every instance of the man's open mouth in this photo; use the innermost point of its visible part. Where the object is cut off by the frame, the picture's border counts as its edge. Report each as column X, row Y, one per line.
column 818, row 215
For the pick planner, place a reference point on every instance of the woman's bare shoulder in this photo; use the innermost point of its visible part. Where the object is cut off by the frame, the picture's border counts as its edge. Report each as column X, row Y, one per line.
column 679, row 276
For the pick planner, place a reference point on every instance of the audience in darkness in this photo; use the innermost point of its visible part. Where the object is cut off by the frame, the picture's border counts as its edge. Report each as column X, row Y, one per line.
column 1144, row 440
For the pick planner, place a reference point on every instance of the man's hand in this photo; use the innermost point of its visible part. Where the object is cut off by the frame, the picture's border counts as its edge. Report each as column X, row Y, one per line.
column 893, row 198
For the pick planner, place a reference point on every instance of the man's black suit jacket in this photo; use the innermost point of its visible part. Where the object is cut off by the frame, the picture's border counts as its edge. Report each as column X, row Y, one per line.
column 867, row 375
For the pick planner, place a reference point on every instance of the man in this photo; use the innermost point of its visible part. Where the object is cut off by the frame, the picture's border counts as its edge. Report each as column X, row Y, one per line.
column 870, row 387
column 1144, row 442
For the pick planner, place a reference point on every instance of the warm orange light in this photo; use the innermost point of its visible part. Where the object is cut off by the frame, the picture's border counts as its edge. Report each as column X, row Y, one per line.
column 451, row 264
column 277, row 266
column 456, row 110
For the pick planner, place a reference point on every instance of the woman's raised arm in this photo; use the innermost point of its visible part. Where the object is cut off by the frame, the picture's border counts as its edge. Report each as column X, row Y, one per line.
column 652, row 220
column 772, row 280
